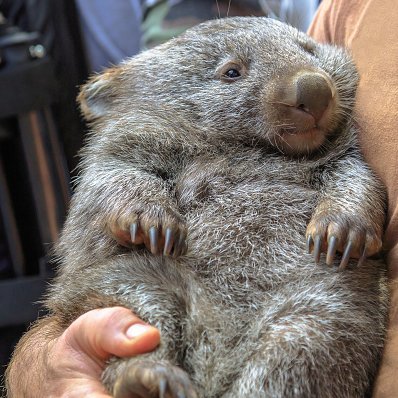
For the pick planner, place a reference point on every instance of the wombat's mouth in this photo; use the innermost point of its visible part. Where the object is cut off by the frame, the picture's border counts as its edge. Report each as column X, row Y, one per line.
column 300, row 142
column 302, row 132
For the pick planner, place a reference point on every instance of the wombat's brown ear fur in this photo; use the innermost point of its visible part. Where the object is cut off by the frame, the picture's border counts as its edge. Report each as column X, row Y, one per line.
column 95, row 96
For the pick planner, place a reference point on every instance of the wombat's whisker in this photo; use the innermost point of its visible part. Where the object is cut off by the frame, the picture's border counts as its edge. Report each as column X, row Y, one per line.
column 218, row 9
column 284, row 126
column 279, row 102
column 229, row 6
column 336, row 72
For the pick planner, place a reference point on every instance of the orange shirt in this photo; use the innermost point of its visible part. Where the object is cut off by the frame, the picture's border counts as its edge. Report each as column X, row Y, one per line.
column 369, row 28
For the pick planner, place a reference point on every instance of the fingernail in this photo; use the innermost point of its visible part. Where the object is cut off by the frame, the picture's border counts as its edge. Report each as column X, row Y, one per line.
column 137, row 330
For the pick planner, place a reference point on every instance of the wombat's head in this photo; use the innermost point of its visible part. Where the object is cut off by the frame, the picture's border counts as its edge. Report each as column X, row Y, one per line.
column 252, row 79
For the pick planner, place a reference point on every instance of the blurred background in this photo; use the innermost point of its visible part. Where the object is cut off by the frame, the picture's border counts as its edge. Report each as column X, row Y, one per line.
column 48, row 48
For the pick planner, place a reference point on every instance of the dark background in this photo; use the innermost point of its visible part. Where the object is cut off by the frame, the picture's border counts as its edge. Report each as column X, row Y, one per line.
column 40, row 134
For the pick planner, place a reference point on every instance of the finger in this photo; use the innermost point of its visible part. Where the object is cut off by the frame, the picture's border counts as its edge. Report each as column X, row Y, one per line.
column 111, row 331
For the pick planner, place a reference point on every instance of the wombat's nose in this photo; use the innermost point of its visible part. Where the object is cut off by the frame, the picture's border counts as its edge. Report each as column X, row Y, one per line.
column 309, row 92
column 313, row 94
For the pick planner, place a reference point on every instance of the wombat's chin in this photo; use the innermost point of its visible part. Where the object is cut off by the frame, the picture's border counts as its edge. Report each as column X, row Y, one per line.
column 299, row 143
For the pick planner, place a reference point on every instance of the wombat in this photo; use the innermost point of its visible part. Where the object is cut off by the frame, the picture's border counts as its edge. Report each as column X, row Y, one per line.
column 216, row 162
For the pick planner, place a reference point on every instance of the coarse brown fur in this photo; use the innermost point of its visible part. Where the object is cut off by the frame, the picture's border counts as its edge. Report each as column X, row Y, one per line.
column 237, row 174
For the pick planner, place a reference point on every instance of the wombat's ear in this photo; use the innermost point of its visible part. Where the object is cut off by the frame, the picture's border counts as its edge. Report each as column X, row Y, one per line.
column 96, row 95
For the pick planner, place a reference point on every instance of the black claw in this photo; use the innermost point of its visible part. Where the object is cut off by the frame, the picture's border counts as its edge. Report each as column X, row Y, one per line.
column 133, row 231
column 184, row 247
column 181, row 244
column 310, row 244
column 153, row 239
column 177, row 245
column 168, row 244
column 346, row 255
column 317, row 248
column 332, row 244
column 162, row 387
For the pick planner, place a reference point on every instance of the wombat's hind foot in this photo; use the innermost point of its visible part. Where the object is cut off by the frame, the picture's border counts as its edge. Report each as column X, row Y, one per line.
column 350, row 236
column 162, row 232
column 150, row 379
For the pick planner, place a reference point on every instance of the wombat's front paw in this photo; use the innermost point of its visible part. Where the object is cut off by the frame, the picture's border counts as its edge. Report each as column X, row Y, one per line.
column 148, row 379
column 161, row 231
column 343, row 233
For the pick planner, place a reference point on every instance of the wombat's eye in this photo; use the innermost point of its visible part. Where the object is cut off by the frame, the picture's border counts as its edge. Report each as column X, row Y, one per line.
column 231, row 72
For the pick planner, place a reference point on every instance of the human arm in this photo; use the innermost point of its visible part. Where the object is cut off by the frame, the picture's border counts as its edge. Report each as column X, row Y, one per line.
column 50, row 362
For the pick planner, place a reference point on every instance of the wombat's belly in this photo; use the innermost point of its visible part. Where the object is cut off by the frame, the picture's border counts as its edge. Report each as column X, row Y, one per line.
column 246, row 235
column 252, row 224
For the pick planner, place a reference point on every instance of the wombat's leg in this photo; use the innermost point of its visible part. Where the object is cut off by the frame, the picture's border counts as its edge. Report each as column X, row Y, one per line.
column 307, row 344
column 350, row 214
column 145, row 377
column 126, row 198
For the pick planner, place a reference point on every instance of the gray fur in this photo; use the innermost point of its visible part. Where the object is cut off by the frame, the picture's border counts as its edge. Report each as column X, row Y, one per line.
column 245, row 311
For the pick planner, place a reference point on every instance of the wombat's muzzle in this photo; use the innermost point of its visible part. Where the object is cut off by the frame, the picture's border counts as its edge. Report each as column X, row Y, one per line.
column 306, row 100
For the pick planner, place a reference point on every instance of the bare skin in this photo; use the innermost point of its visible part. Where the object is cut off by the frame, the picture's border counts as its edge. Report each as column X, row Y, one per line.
column 70, row 364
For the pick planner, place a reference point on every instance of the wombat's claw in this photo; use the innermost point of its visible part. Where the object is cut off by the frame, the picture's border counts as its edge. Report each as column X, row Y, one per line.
column 314, row 245
column 332, row 237
column 162, row 387
column 153, row 380
column 164, row 235
column 153, row 240
column 133, row 232
column 317, row 248
column 310, row 244
column 168, row 242
column 180, row 246
column 332, row 246
column 346, row 255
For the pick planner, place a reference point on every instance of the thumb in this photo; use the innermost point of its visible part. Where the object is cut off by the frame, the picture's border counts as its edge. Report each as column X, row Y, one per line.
column 104, row 332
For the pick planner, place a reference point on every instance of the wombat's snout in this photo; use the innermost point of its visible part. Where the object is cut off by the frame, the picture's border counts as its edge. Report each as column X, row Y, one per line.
column 313, row 94
column 307, row 96
column 303, row 106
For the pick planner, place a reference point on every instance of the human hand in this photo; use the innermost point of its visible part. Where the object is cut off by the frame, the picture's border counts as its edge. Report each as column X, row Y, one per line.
column 71, row 365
